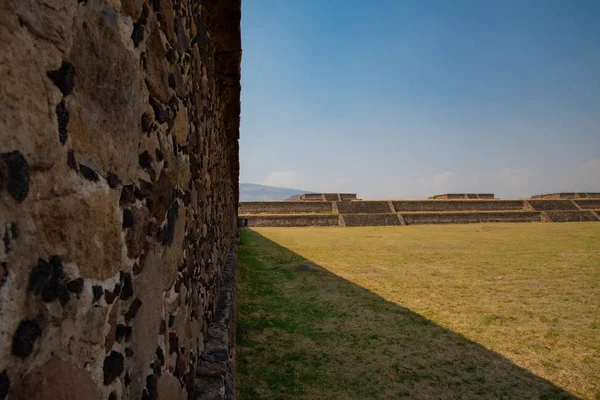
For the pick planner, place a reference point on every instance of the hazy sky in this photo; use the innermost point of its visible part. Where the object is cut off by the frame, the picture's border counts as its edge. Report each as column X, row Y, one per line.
column 398, row 98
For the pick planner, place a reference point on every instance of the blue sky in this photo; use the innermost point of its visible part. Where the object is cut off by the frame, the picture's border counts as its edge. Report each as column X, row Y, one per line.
column 397, row 98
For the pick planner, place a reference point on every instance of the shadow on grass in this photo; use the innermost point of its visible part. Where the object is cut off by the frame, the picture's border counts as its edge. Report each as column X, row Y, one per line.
column 304, row 332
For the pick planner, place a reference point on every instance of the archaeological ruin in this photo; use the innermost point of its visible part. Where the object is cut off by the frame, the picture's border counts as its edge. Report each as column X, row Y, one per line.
column 119, row 127
column 447, row 209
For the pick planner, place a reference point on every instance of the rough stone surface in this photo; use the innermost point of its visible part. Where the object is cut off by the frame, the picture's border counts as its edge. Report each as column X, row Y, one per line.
column 84, row 229
column 119, row 128
column 285, row 207
column 56, row 379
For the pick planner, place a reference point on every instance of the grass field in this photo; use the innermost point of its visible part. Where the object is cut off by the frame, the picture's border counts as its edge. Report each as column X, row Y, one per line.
column 448, row 312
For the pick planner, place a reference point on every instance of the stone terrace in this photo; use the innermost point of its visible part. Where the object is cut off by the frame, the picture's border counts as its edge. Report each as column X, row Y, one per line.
column 409, row 212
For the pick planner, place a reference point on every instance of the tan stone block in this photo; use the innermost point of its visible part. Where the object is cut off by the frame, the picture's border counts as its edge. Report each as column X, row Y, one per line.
column 106, row 103
column 84, row 229
column 173, row 253
column 158, row 67
column 146, row 325
column 181, row 126
column 57, row 379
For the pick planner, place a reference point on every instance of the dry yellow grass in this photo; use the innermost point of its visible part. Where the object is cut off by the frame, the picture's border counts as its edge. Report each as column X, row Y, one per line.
column 459, row 311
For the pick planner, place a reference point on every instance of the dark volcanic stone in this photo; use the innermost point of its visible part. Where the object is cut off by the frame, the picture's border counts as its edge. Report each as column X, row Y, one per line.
column 62, row 114
column 25, row 336
column 113, row 367
column 127, row 290
column 3, row 273
column 122, row 333
column 109, row 296
column 138, row 34
column 127, row 218
column 55, row 289
column 133, row 310
column 75, row 286
column 169, row 231
column 127, row 379
column 145, row 160
column 17, row 171
column 4, row 384
column 64, row 78
column 71, row 162
column 160, row 356
column 146, row 122
column 112, row 179
column 88, row 173
column 144, row 15
column 144, row 190
column 39, row 278
column 127, row 194
column 6, row 240
column 151, row 387
column 173, row 343
column 160, row 113
column 97, row 290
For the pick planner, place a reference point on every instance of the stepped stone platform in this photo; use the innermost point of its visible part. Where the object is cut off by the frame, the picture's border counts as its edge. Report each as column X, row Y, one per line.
column 571, row 216
column 457, row 205
column 567, row 195
column 292, row 220
column 364, row 207
column 549, row 205
column 447, row 196
column 371, row 220
column 471, row 217
column 285, row 207
column 323, row 197
column 412, row 212
column 589, row 204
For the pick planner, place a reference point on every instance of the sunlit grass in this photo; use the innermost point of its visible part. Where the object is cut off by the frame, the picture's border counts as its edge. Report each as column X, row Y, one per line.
column 529, row 292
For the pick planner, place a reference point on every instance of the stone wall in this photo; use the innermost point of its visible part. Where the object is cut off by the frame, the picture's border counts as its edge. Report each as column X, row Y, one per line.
column 371, row 220
column 363, row 207
column 545, row 205
column 571, row 216
column 457, row 205
column 566, row 195
column 471, row 217
column 455, row 196
column 589, row 204
column 292, row 220
column 284, row 207
column 118, row 193
column 347, row 196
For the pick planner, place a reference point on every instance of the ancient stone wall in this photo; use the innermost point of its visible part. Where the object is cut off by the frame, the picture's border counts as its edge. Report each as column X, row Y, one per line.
column 347, row 196
column 363, row 207
column 470, row 217
column 566, row 195
column 457, row 205
column 371, row 220
column 118, row 193
column 450, row 196
column 589, row 204
column 284, row 207
column 544, row 205
column 292, row 220
column 571, row 216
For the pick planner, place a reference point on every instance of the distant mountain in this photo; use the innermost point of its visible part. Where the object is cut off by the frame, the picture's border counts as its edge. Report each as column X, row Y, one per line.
column 254, row 192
